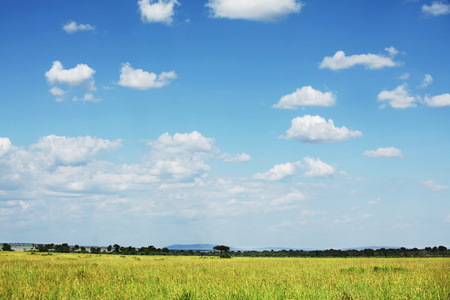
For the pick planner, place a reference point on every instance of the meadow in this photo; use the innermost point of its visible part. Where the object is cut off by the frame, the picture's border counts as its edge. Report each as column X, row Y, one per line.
column 86, row 276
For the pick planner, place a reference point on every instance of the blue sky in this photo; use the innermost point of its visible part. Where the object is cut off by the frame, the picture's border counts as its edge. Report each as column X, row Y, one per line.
column 303, row 124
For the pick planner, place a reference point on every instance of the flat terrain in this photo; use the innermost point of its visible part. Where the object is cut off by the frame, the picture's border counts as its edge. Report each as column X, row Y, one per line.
column 87, row 276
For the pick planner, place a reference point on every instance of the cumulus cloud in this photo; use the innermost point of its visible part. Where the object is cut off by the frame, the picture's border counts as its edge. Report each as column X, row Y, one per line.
column 315, row 129
column 72, row 27
column 318, row 169
column 68, row 166
column 433, row 186
column 438, row 101
column 160, row 11
column 181, row 143
column 371, row 61
column 279, row 172
column 143, row 80
column 437, row 8
column 181, row 156
column 426, row 81
column 80, row 76
column 5, row 145
column 306, row 96
column 73, row 150
column 397, row 98
column 255, row 10
column 384, row 152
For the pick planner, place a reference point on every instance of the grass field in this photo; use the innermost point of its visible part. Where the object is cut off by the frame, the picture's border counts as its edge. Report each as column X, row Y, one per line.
column 86, row 276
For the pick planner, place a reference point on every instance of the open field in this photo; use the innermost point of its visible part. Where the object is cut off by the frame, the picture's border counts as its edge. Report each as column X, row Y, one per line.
column 86, row 276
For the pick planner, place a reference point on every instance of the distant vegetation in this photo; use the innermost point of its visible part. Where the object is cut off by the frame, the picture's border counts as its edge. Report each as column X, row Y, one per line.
column 224, row 251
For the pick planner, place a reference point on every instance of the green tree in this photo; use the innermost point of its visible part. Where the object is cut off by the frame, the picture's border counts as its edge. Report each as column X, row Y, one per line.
column 116, row 248
column 6, row 247
column 221, row 248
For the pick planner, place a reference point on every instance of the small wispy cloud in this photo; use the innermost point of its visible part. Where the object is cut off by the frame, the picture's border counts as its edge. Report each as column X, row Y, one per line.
column 434, row 187
column 72, row 27
column 384, row 152
column 426, row 81
column 437, row 8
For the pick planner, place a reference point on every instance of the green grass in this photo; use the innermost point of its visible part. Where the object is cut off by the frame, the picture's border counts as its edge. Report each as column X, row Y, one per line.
column 86, row 276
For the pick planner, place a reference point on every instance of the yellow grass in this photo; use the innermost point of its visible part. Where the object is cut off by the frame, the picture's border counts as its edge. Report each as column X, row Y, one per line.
column 86, row 276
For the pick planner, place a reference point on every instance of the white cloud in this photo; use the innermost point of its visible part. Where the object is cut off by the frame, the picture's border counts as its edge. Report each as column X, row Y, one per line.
column 182, row 143
column 306, row 96
column 438, row 101
column 292, row 198
column 384, row 152
column 143, row 80
column 160, row 11
column 371, row 61
column 56, row 91
column 181, row 156
column 72, row 27
column 426, row 81
column 315, row 129
column 279, row 172
column 404, row 76
column 437, row 8
column 73, row 150
column 397, row 98
column 391, row 50
column 375, row 202
column 433, row 186
column 255, row 10
column 318, row 169
column 235, row 158
column 5, row 145
column 81, row 75
column 68, row 165
column 88, row 97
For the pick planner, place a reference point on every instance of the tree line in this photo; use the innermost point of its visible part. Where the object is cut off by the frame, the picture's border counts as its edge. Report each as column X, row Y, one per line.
column 224, row 251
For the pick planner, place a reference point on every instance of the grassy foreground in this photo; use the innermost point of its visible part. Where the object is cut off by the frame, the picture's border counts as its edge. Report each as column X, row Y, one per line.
column 86, row 276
